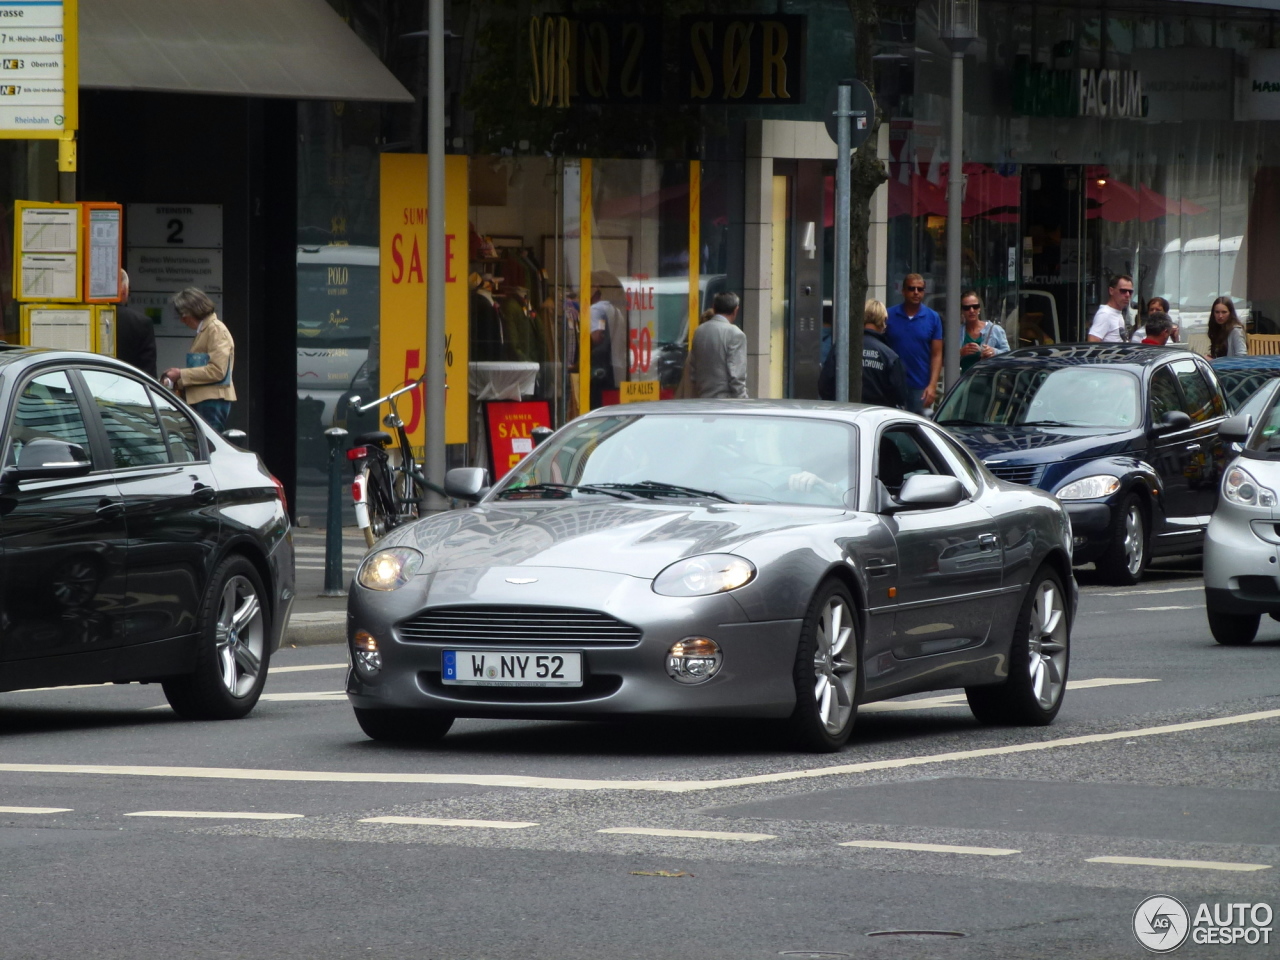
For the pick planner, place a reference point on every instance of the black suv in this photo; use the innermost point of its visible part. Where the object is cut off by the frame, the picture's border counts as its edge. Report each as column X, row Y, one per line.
column 135, row 543
column 1126, row 436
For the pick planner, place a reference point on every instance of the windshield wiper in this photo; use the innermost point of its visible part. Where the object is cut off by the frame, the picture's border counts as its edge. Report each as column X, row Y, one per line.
column 656, row 487
column 1049, row 423
column 570, row 488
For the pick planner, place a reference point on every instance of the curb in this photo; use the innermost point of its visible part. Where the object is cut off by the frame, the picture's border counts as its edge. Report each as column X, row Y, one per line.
column 315, row 629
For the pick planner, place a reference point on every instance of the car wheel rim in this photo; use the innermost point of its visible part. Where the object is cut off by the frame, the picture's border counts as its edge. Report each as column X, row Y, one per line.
column 240, row 636
column 835, row 665
column 1048, row 645
column 1133, row 545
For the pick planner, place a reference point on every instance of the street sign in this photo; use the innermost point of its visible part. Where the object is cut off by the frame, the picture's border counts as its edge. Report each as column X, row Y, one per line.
column 39, row 75
column 862, row 113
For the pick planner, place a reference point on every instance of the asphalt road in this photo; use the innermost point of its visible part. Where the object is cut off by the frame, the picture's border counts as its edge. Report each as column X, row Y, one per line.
column 928, row 836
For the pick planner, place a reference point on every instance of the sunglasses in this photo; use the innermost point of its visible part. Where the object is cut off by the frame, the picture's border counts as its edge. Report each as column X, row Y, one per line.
column 1125, row 293
column 914, row 289
column 970, row 306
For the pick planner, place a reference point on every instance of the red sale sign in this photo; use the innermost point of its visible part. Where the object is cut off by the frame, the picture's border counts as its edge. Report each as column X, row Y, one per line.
column 510, row 428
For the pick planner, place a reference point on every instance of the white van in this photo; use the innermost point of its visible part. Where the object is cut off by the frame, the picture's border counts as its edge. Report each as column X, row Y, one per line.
column 337, row 316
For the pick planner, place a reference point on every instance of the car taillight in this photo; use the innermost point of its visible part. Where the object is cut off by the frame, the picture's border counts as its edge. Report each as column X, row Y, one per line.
column 284, row 500
column 357, row 453
column 357, row 489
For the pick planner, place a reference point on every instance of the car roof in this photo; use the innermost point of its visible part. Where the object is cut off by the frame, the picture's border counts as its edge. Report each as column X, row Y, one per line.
column 818, row 409
column 1133, row 355
column 13, row 354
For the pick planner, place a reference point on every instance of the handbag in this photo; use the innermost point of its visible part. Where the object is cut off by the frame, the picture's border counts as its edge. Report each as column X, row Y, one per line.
column 202, row 360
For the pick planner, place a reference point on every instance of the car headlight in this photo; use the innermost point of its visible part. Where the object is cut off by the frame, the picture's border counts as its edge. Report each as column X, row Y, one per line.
column 1240, row 487
column 705, row 575
column 389, row 569
column 1090, row 488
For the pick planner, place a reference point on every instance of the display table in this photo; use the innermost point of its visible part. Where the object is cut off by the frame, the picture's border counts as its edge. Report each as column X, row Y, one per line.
column 502, row 379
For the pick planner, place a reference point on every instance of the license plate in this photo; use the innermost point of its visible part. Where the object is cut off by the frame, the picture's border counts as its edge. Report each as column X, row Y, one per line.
column 502, row 668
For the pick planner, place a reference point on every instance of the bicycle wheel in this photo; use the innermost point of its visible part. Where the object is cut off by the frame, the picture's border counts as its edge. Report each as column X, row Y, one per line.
column 408, row 496
column 382, row 511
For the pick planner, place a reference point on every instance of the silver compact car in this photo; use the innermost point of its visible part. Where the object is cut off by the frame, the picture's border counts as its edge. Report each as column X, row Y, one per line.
column 1242, row 544
column 719, row 558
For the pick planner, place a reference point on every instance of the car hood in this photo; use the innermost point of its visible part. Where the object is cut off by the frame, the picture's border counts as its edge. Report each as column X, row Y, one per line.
column 1034, row 445
column 636, row 539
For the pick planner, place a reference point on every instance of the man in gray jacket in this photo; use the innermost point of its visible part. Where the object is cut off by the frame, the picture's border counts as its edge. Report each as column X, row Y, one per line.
column 718, row 360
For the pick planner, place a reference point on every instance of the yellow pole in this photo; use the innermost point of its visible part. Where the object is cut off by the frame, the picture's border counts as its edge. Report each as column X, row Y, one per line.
column 695, row 247
column 584, row 293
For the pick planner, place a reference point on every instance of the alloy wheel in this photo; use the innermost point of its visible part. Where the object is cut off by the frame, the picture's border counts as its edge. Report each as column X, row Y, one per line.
column 1134, row 545
column 835, row 665
column 239, row 636
column 1048, row 647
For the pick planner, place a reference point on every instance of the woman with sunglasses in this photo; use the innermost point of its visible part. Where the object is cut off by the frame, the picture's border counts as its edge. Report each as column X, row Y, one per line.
column 981, row 338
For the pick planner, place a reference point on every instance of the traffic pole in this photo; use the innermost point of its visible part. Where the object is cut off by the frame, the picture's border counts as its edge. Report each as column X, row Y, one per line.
column 337, row 438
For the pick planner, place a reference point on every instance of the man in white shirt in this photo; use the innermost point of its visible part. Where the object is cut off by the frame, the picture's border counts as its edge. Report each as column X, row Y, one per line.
column 1109, row 325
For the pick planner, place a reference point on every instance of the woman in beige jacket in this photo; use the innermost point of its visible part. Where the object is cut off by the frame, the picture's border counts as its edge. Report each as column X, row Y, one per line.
column 205, row 382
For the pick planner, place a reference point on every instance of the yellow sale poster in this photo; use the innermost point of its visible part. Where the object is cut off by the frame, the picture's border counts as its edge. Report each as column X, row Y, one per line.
column 403, row 286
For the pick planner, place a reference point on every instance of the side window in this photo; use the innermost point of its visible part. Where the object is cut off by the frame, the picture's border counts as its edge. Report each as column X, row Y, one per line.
column 46, row 409
column 1165, row 396
column 180, row 433
column 960, row 459
column 901, row 454
column 132, row 427
column 1202, row 401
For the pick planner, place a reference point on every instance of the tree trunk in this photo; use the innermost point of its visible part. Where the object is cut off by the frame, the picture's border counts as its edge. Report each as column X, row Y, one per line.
column 866, row 175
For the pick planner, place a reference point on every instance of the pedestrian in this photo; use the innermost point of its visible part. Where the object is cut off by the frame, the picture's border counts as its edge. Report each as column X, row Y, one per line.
column 1160, row 305
column 915, row 333
column 135, row 333
column 1109, row 325
column 979, row 339
column 1159, row 329
column 718, row 361
column 1226, row 332
column 882, row 381
column 205, row 382
column 606, row 326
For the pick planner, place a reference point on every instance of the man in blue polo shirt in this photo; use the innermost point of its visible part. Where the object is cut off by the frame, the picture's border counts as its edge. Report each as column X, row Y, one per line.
column 915, row 333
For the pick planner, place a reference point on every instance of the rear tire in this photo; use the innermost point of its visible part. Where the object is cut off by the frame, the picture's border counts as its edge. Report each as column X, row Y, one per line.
column 233, row 651
column 827, row 672
column 1126, row 557
column 1039, row 657
column 382, row 514
column 1233, row 629
column 403, row 726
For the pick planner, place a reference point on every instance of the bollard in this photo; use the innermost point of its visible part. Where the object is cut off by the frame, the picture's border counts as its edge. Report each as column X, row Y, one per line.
column 333, row 533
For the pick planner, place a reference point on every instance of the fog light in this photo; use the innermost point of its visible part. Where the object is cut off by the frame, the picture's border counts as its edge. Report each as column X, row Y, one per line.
column 364, row 648
column 694, row 660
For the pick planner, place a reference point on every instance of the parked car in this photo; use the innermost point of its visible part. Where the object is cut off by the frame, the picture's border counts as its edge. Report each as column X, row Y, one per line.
column 783, row 559
column 1242, row 543
column 1126, row 436
column 135, row 543
column 1241, row 377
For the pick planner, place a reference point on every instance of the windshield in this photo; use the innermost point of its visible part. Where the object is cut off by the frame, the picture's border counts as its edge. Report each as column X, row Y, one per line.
column 1083, row 396
column 746, row 459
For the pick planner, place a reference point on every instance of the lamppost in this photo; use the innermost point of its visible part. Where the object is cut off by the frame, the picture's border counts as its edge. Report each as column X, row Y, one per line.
column 958, row 27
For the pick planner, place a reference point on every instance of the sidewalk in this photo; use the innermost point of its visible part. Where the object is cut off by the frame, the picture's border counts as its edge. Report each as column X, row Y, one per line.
column 317, row 619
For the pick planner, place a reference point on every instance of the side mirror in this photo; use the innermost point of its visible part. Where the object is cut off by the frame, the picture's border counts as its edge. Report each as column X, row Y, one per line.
column 1173, row 421
column 1236, row 428
column 466, row 483
column 539, row 434
column 48, row 459
column 926, row 490
column 238, row 437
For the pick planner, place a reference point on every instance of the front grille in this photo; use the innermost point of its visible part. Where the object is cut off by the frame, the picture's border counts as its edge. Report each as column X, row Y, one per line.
column 1028, row 475
column 510, row 624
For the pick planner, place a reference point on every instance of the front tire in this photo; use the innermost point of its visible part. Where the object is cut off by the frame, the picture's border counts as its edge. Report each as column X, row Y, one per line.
column 1039, row 657
column 1126, row 557
column 233, row 653
column 827, row 673
column 403, row 726
column 1233, row 629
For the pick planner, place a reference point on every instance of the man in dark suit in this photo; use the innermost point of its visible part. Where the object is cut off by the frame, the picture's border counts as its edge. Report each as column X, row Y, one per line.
column 135, row 333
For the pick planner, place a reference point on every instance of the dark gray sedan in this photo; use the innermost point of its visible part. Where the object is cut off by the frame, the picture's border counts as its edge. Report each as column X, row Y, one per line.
column 781, row 559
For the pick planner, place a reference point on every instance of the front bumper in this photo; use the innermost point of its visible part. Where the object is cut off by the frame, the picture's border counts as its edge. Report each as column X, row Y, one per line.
column 1242, row 561
column 281, row 562
column 1090, row 529
column 619, row 678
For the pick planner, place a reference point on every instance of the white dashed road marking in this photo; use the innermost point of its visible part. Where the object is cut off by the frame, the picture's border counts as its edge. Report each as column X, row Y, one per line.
column 310, row 666
column 35, row 810
column 215, row 815
column 1194, row 606
column 930, row 848
column 691, row 834
column 1143, row 593
column 1182, row 864
column 958, row 699
column 308, row 695
column 663, row 786
column 444, row 822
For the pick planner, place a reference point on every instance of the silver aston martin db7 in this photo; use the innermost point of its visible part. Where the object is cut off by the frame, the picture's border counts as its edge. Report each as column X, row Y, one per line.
column 723, row 558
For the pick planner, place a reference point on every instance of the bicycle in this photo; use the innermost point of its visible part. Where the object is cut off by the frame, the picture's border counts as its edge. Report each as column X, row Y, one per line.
column 386, row 494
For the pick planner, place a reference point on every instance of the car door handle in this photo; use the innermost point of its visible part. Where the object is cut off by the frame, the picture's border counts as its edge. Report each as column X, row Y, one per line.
column 880, row 569
column 204, row 493
column 988, row 541
column 110, row 509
